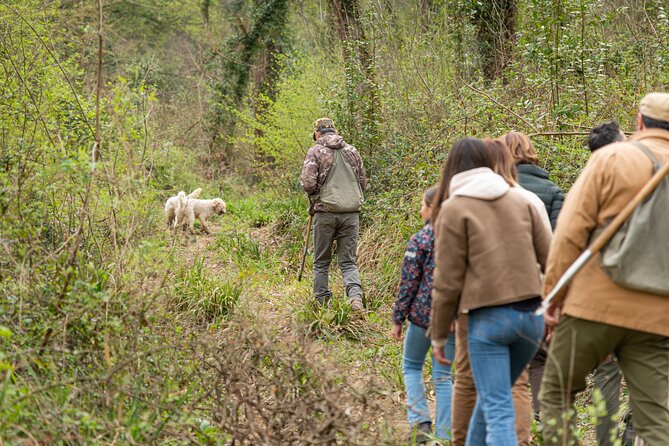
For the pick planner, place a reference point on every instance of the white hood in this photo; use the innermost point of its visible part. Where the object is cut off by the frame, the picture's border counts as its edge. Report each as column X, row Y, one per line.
column 481, row 183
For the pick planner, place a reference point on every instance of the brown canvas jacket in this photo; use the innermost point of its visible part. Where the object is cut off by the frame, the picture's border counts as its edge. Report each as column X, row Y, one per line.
column 486, row 253
column 319, row 160
column 612, row 176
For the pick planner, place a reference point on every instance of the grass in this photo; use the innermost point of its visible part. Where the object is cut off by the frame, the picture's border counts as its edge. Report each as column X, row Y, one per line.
column 333, row 320
column 207, row 299
column 250, row 269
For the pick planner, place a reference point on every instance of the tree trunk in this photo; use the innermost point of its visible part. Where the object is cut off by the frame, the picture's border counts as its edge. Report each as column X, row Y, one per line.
column 495, row 22
column 361, row 88
column 205, row 12
column 247, row 54
column 427, row 11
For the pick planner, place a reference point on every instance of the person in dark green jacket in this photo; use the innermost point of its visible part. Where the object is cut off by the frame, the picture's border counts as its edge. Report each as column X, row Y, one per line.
column 534, row 179
column 531, row 176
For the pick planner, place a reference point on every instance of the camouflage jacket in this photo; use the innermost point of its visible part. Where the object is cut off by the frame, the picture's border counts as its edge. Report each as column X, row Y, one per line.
column 319, row 160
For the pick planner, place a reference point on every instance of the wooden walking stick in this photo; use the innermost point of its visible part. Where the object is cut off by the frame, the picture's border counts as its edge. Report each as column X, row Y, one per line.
column 306, row 247
column 606, row 235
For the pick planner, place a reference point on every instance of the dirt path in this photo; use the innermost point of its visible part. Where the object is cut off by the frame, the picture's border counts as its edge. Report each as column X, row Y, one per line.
column 274, row 300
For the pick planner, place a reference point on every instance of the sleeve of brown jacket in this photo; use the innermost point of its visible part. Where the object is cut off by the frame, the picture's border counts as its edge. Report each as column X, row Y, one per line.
column 577, row 220
column 450, row 257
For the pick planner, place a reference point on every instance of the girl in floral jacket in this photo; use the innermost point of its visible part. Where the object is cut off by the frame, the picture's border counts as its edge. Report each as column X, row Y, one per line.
column 413, row 303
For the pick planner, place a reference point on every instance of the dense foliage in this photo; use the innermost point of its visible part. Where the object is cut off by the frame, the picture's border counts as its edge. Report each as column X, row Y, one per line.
column 112, row 330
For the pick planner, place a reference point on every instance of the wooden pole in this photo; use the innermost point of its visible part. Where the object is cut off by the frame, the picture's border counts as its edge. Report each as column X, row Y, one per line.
column 306, row 247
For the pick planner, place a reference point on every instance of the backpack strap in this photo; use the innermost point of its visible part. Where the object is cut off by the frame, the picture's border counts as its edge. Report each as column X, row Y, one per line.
column 649, row 154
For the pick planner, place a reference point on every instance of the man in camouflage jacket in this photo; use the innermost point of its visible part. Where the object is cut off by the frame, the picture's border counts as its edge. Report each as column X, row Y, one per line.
column 330, row 226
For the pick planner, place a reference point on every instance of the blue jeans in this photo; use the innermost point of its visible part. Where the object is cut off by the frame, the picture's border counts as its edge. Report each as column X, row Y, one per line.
column 501, row 342
column 416, row 346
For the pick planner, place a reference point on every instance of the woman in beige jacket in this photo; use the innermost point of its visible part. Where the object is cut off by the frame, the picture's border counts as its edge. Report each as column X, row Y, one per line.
column 489, row 239
column 464, row 391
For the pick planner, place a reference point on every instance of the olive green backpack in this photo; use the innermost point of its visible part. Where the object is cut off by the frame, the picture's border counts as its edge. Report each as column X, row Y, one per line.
column 341, row 191
column 637, row 257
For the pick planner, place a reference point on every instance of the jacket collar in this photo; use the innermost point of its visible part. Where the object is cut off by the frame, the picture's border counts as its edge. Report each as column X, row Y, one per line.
column 650, row 134
column 532, row 169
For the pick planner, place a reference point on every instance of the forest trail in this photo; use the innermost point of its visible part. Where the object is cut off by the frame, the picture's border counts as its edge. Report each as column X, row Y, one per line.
column 113, row 333
column 356, row 348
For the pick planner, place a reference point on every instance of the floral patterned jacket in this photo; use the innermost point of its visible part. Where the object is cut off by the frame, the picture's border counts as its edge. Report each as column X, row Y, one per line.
column 414, row 300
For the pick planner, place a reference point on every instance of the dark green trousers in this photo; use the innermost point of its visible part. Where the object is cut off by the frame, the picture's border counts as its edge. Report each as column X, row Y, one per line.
column 578, row 347
column 342, row 228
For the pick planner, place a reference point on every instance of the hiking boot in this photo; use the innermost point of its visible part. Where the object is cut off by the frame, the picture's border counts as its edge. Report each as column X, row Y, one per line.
column 356, row 306
column 629, row 435
column 323, row 301
column 420, row 433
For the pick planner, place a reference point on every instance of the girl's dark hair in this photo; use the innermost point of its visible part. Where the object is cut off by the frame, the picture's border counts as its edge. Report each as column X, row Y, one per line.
column 604, row 134
column 466, row 154
column 429, row 194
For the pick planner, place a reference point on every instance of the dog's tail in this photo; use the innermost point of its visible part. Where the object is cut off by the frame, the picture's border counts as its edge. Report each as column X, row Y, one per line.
column 196, row 193
column 180, row 209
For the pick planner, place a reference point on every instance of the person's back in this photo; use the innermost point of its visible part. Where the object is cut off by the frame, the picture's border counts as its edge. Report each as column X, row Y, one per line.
column 612, row 177
column 595, row 316
column 319, row 161
column 531, row 176
column 502, row 254
column 536, row 180
column 334, row 178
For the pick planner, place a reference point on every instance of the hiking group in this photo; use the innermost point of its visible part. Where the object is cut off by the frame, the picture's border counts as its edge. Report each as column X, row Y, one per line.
column 473, row 277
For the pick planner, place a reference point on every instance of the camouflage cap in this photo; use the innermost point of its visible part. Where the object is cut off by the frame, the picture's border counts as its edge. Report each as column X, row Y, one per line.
column 323, row 123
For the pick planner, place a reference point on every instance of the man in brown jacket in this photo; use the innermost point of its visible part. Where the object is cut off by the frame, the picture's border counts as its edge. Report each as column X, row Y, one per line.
column 597, row 317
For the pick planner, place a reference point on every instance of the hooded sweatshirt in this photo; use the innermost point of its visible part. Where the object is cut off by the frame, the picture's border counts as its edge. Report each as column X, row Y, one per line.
column 489, row 239
column 319, row 160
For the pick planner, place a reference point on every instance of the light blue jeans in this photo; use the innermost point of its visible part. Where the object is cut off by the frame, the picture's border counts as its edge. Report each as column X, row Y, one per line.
column 501, row 342
column 416, row 346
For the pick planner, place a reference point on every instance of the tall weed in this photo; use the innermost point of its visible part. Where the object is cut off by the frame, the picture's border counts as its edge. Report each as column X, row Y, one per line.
column 206, row 298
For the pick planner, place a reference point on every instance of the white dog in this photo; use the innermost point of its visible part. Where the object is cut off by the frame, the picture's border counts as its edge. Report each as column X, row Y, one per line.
column 202, row 210
column 175, row 207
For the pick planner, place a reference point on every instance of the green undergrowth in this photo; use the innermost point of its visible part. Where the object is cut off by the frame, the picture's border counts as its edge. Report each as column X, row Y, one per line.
column 208, row 298
column 261, row 239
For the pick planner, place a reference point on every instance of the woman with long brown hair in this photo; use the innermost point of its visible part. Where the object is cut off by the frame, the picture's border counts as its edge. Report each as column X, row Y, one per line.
column 464, row 391
column 535, row 179
column 531, row 176
column 489, row 239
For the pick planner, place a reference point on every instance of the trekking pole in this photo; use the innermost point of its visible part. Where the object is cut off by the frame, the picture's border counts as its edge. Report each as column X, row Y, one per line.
column 306, row 247
column 605, row 236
